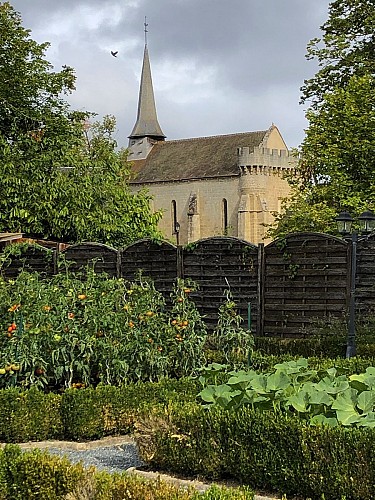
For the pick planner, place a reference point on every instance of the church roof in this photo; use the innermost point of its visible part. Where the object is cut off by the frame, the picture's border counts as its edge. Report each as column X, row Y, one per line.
column 197, row 158
column 147, row 124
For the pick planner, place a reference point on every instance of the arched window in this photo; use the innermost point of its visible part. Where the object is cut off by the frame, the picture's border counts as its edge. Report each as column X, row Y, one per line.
column 224, row 216
column 174, row 216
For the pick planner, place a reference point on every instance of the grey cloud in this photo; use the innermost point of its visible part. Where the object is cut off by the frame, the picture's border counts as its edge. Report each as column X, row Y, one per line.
column 254, row 51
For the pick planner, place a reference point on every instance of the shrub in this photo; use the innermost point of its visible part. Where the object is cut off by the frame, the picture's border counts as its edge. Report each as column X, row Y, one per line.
column 29, row 416
column 106, row 410
column 264, row 450
column 81, row 414
column 35, row 475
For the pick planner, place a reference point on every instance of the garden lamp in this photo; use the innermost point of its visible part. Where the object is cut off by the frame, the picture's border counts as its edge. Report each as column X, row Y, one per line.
column 367, row 222
column 344, row 223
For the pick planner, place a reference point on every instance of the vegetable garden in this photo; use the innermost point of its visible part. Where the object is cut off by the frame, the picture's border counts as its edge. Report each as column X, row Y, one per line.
column 84, row 356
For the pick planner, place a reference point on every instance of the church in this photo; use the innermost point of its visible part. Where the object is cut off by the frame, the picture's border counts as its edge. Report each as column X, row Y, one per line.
column 208, row 186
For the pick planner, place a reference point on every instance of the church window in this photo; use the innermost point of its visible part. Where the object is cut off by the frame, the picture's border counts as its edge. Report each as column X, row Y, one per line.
column 174, row 216
column 224, row 216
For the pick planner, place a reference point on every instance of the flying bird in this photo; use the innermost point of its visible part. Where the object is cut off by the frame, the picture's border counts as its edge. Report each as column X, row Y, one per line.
column 114, row 53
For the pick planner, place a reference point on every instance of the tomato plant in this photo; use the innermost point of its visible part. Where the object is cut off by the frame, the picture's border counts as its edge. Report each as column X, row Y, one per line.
column 76, row 330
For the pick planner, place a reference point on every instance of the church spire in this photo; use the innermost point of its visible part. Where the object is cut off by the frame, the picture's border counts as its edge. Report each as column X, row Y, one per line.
column 147, row 124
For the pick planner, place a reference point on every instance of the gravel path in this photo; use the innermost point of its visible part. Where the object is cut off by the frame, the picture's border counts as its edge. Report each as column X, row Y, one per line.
column 114, row 454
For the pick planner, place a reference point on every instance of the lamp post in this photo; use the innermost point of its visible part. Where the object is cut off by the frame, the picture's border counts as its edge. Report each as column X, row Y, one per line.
column 344, row 225
column 177, row 232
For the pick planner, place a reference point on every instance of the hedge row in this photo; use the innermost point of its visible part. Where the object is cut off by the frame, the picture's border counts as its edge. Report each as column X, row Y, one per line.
column 36, row 475
column 84, row 414
column 263, row 450
column 329, row 346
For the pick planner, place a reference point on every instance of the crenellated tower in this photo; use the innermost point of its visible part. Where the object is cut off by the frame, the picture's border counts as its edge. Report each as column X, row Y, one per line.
column 262, row 187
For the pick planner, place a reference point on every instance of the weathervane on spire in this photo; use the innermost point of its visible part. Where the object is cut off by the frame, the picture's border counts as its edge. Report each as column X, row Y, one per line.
column 146, row 30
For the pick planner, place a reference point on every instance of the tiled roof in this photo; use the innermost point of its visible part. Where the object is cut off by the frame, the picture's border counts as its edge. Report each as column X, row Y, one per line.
column 196, row 158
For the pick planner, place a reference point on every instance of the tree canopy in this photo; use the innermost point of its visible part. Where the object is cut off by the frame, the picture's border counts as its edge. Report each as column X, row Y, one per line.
column 337, row 164
column 60, row 176
column 346, row 48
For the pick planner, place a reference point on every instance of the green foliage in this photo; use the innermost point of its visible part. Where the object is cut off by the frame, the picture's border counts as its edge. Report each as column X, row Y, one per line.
column 29, row 416
column 272, row 452
column 327, row 396
column 29, row 90
column 86, row 413
column 62, row 178
column 346, row 48
column 325, row 338
column 234, row 343
column 77, row 330
column 108, row 410
column 35, row 475
column 336, row 167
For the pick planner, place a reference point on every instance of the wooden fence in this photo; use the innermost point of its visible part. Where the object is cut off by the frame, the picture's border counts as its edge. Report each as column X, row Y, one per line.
column 289, row 283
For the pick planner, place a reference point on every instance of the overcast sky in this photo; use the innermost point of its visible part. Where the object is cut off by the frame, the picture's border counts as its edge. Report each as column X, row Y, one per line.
column 218, row 66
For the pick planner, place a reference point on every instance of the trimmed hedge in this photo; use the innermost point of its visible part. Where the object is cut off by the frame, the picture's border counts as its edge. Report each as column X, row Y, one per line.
column 35, row 475
column 332, row 344
column 265, row 362
column 29, row 416
column 262, row 449
column 84, row 414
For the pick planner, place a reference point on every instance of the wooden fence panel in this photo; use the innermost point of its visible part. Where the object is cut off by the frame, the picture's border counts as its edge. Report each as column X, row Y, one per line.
column 220, row 265
column 365, row 282
column 306, row 276
column 33, row 258
column 158, row 261
column 102, row 257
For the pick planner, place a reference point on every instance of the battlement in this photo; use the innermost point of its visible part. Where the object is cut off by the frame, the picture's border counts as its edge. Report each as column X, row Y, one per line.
column 264, row 160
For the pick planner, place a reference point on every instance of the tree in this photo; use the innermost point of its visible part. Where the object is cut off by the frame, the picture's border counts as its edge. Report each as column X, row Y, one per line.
column 60, row 178
column 337, row 165
column 346, row 48
column 29, row 90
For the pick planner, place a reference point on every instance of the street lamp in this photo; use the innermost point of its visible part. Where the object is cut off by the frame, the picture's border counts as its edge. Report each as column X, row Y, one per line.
column 367, row 222
column 177, row 232
column 344, row 226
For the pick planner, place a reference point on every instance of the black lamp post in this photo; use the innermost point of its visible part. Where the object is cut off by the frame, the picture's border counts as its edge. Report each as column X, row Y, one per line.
column 177, row 232
column 344, row 225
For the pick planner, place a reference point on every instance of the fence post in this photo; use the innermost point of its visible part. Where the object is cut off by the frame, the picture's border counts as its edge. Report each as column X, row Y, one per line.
column 118, row 264
column 180, row 262
column 260, row 291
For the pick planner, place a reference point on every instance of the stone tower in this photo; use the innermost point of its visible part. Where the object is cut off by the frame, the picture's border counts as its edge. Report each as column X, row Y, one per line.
column 146, row 131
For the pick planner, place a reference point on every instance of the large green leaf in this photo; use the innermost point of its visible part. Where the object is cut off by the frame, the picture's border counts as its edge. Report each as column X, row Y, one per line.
column 345, row 407
column 348, row 417
column 241, row 380
column 365, row 380
column 322, row 419
column 331, row 386
column 278, row 381
column 366, row 401
column 293, row 366
column 300, row 402
column 368, row 420
column 208, row 394
column 259, row 384
column 317, row 397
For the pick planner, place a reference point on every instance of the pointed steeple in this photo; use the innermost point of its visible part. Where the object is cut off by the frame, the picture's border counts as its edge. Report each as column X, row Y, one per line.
column 147, row 124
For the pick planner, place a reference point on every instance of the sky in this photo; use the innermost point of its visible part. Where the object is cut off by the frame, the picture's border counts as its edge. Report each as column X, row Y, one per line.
column 218, row 66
